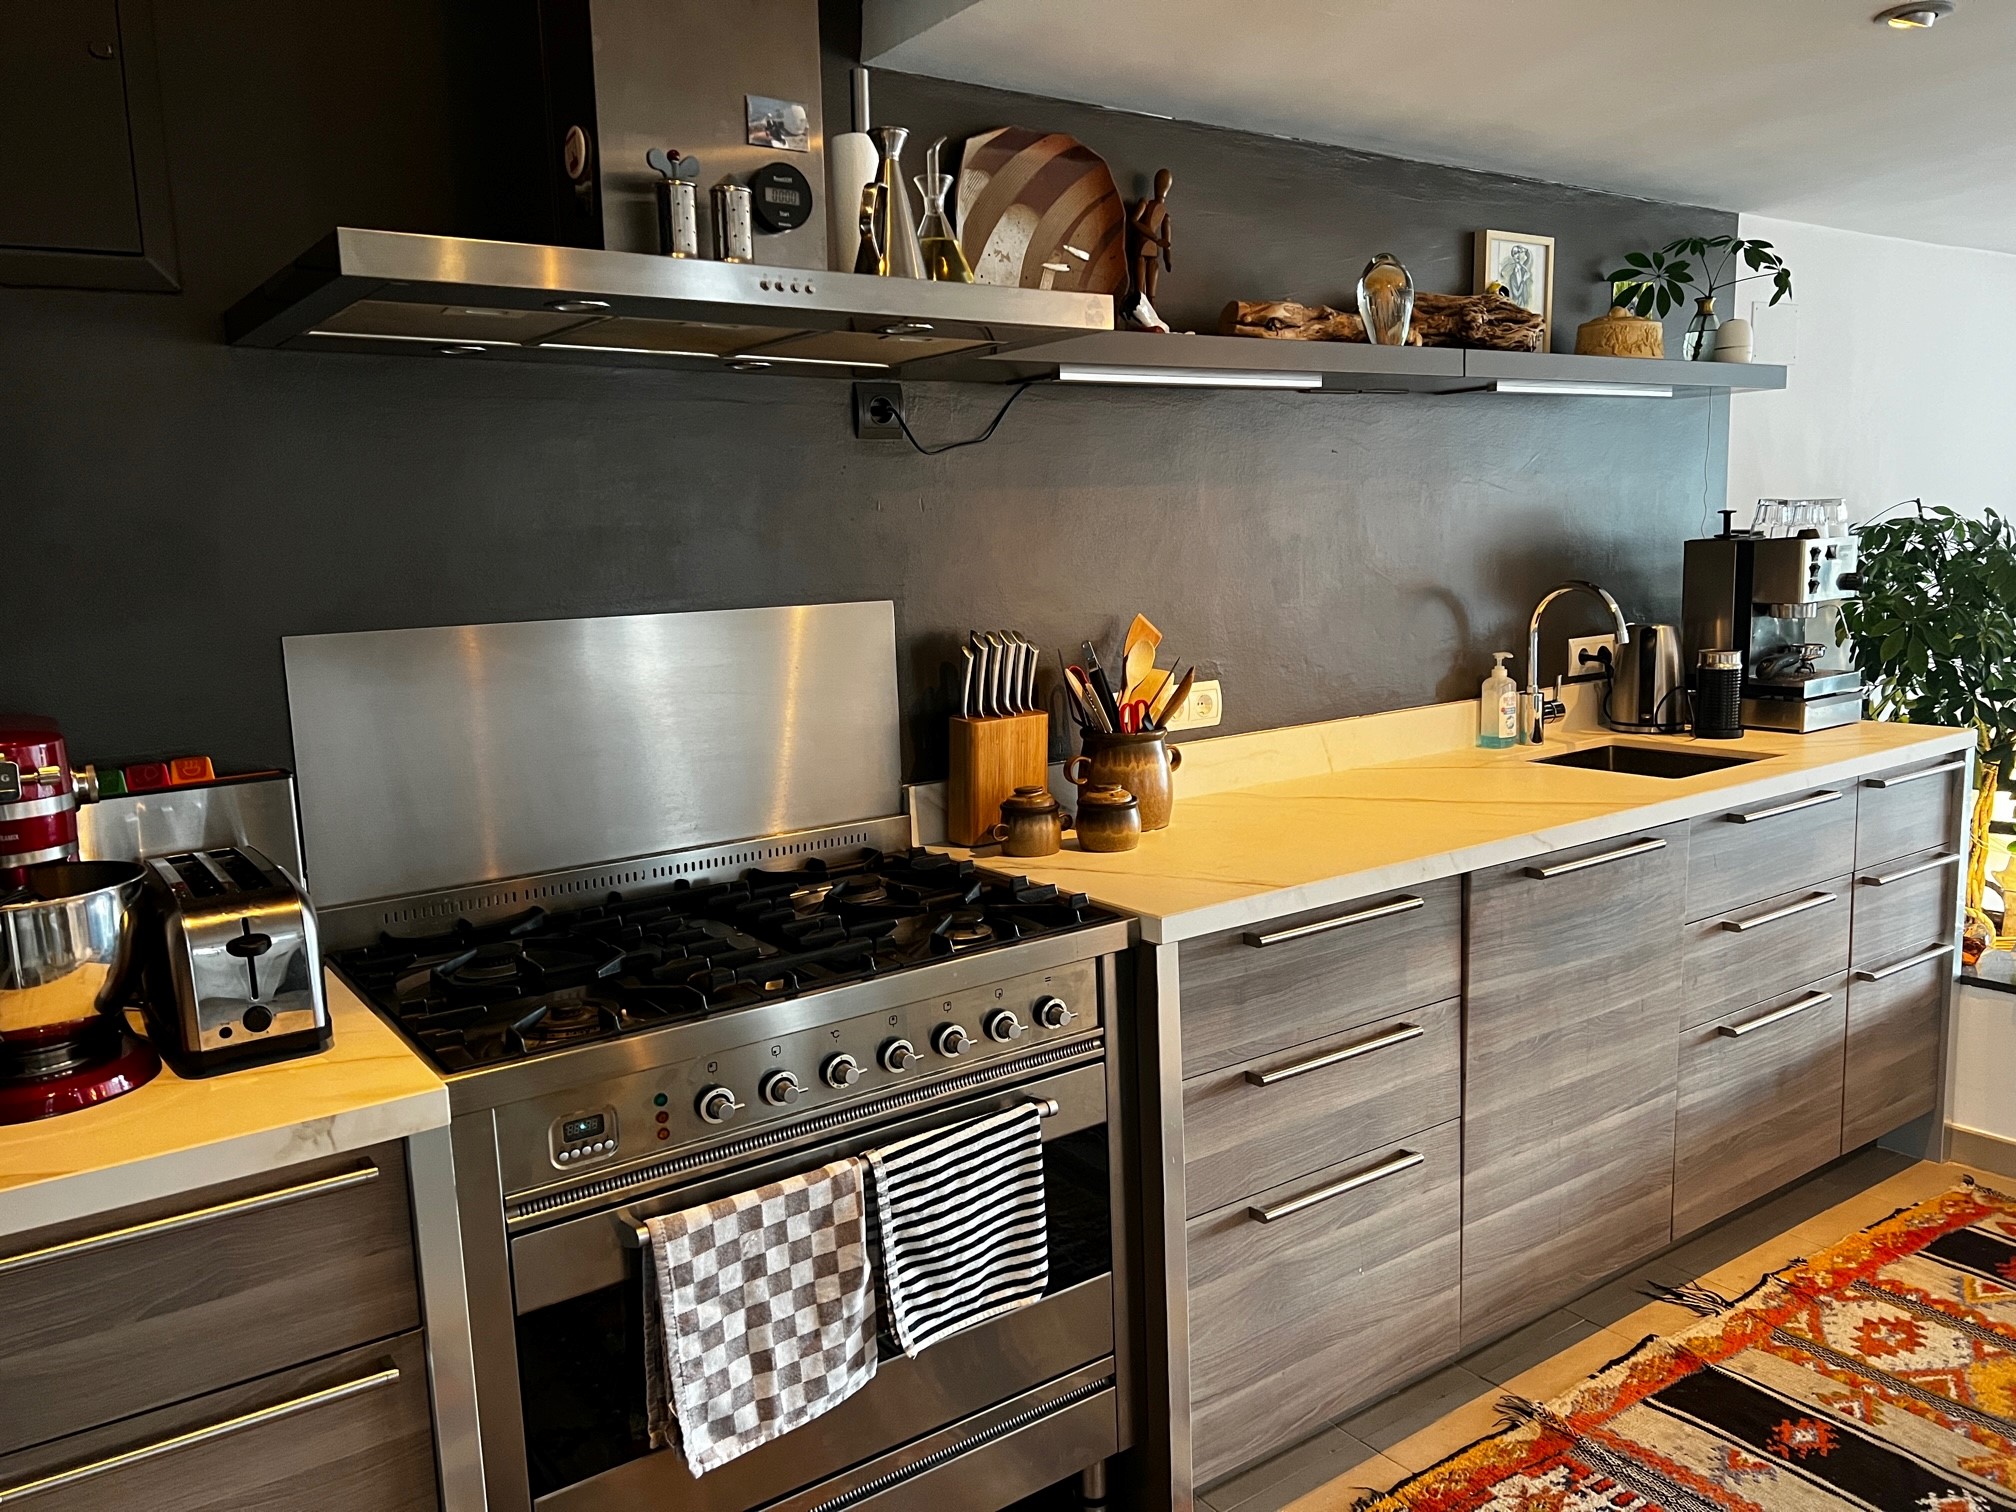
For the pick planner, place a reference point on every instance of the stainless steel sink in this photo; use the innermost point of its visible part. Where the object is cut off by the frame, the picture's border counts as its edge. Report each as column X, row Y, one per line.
column 1643, row 761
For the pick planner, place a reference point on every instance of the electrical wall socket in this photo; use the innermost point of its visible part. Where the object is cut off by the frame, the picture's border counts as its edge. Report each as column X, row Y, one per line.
column 1204, row 707
column 1592, row 644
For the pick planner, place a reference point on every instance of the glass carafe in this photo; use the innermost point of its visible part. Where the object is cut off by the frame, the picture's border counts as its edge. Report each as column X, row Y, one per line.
column 943, row 258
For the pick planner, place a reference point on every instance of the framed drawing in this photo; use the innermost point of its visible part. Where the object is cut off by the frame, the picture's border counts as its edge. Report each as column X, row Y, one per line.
column 1524, row 265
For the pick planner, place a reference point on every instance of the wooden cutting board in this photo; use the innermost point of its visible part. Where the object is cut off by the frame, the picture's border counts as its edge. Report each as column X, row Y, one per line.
column 1030, row 198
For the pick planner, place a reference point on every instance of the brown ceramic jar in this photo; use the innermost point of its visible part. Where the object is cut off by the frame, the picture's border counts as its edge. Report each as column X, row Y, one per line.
column 1032, row 823
column 1109, row 819
column 1140, row 763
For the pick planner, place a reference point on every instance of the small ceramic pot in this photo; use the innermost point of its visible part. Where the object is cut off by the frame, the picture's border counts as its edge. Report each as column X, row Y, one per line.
column 1733, row 341
column 1109, row 819
column 1032, row 823
column 1140, row 763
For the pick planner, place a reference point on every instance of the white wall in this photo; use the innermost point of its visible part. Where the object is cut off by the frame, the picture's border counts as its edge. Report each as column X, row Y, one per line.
column 1903, row 378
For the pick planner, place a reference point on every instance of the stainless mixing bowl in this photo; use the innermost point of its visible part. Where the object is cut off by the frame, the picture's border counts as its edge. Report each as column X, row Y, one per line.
column 69, row 947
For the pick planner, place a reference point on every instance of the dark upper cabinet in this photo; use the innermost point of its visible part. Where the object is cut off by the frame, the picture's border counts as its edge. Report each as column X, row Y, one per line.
column 83, row 175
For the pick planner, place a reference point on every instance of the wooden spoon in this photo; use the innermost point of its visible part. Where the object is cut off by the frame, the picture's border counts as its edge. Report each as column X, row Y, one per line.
column 1137, row 655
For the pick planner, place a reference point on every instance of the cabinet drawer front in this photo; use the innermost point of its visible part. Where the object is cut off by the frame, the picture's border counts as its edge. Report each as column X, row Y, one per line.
column 1319, row 973
column 1297, row 1320
column 1253, row 1126
column 350, row 1432
column 1911, row 809
column 1763, row 948
column 1905, row 905
column 1896, row 1025
column 1764, row 849
column 1760, row 1100
column 124, row 1313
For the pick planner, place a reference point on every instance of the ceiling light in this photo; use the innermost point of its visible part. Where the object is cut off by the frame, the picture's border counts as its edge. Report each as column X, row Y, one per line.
column 1188, row 377
column 1916, row 16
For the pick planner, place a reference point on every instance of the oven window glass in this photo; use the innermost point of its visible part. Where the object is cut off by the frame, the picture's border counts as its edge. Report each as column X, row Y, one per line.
column 581, row 1362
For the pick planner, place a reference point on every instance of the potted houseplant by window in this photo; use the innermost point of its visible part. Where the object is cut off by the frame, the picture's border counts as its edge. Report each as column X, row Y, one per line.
column 1662, row 281
column 1934, row 634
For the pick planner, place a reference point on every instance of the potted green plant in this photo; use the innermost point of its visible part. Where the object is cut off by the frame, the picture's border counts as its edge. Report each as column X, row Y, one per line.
column 1660, row 282
column 1934, row 634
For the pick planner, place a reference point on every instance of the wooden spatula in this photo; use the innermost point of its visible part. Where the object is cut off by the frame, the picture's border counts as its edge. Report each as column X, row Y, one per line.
column 1137, row 654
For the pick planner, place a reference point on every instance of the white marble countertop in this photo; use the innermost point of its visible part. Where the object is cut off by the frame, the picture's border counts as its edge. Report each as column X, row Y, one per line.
column 1238, row 855
column 172, row 1135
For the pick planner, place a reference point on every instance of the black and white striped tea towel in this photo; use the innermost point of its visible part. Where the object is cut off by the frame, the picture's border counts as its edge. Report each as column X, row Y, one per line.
column 959, row 1214
column 760, row 1313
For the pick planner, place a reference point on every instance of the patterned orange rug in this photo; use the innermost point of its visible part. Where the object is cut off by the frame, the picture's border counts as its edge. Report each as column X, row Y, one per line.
column 1881, row 1374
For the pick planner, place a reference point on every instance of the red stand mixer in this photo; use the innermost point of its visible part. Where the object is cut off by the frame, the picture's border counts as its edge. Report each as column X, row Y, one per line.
column 70, row 943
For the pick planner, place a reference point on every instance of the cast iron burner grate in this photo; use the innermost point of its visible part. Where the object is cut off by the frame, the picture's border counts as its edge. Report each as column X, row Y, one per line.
column 479, row 995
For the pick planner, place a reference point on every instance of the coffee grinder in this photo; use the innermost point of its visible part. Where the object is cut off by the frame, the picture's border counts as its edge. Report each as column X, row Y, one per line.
column 1776, row 601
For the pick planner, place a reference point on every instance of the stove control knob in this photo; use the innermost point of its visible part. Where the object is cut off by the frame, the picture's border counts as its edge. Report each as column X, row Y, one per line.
column 780, row 1089
column 717, row 1105
column 1003, row 1026
column 1054, row 1013
column 951, row 1039
column 897, row 1054
column 840, row 1071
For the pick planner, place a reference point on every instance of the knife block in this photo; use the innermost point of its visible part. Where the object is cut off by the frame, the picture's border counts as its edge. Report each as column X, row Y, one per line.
column 990, row 759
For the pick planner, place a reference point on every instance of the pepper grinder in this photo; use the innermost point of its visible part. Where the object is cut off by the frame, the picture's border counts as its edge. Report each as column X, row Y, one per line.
column 902, row 255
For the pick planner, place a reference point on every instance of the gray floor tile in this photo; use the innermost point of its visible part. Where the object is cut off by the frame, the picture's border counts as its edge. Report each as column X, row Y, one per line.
column 1539, row 1340
column 1276, row 1482
column 1384, row 1424
column 1625, row 1295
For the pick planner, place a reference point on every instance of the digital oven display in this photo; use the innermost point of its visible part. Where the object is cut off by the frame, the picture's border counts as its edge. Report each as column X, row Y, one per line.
column 577, row 1129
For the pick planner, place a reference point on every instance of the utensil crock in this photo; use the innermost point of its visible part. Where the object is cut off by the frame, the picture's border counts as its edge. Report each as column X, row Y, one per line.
column 69, row 947
column 1141, row 763
column 1109, row 818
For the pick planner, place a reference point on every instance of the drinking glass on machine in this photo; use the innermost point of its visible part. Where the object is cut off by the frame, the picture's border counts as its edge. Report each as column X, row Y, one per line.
column 1798, row 517
column 1832, row 516
column 1770, row 519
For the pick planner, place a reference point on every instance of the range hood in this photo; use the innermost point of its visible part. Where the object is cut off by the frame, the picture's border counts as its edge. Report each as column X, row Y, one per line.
column 381, row 291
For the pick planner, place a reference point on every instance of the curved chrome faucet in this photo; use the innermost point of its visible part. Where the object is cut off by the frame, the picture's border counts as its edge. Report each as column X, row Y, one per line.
column 1540, row 710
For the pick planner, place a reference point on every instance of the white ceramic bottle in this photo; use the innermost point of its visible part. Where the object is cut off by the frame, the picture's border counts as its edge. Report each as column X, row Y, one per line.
column 851, row 162
column 1498, row 707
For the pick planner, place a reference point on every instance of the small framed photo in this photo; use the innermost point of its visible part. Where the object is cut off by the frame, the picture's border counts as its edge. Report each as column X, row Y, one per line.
column 1524, row 264
column 785, row 125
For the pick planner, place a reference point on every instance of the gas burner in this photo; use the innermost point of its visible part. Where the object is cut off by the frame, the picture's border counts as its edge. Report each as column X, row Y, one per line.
column 478, row 995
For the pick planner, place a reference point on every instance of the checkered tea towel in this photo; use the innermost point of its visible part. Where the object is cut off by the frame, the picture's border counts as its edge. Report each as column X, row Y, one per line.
column 960, row 1221
column 760, row 1313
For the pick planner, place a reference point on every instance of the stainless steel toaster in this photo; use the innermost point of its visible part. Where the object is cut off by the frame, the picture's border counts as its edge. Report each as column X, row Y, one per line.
column 240, row 963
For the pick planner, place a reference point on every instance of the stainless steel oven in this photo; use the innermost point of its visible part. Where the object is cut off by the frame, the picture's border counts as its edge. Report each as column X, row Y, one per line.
column 1010, row 1406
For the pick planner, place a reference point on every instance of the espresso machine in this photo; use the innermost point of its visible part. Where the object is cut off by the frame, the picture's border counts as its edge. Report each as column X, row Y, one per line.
column 1776, row 601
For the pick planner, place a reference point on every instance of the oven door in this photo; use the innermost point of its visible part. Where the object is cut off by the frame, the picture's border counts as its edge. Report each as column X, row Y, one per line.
column 579, row 1297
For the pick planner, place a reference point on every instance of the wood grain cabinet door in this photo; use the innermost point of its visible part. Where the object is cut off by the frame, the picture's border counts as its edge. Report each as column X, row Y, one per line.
column 1296, row 979
column 1911, row 809
column 151, row 1305
column 1571, row 1069
column 1760, row 1100
column 349, row 1432
column 1896, row 1020
column 1744, row 854
column 1316, row 1296
column 1905, row 905
column 1760, row 949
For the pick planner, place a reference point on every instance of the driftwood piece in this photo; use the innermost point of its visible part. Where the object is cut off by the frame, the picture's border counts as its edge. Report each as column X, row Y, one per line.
column 1441, row 320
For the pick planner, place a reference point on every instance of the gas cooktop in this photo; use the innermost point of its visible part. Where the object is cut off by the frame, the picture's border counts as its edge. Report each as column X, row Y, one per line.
column 476, row 996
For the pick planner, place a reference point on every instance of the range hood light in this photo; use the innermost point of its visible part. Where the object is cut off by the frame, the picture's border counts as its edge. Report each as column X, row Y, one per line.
column 461, row 349
column 1188, row 378
column 577, row 306
column 589, row 346
column 1598, row 390
column 1921, row 15
column 443, row 344
column 755, row 362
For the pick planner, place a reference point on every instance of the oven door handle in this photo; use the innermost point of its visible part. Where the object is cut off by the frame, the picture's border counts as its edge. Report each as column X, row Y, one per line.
column 637, row 1235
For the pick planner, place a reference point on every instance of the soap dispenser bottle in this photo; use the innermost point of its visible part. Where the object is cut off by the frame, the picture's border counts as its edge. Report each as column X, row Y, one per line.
column 1498, row 707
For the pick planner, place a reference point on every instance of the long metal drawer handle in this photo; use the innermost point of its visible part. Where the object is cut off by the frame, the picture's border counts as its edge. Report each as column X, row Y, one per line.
column 1737, row 1031
column 1804, row 905
column 1395, row 1036
column 635, row 1235
column 1813, row 801
column 1938, row 771
column 192, row 1219
column 1884, row 879
column 1640, row 848
column 1342, row 921
column 1877, row 974
column 306, row 1403
column 1392, row 1165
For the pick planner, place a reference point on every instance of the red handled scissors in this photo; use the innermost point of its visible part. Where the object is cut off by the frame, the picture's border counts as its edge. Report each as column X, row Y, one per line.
column 1134, row 716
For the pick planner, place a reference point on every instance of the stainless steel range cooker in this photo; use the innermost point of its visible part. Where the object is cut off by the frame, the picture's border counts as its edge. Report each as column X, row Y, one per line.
column 635, row 1036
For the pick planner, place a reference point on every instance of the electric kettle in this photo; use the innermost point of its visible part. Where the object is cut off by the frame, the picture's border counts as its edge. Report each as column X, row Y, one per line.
column 1647, row 694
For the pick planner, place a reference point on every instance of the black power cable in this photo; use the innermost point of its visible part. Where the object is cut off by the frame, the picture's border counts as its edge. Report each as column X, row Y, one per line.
column 895, row 412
